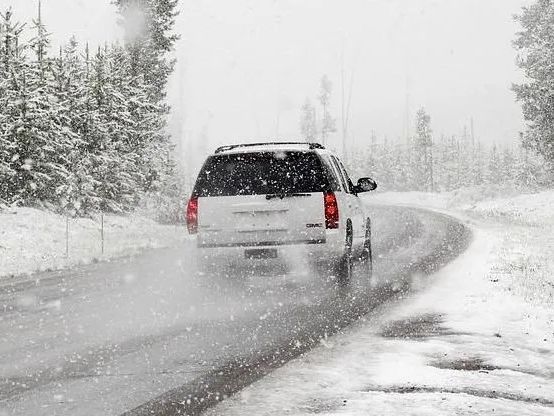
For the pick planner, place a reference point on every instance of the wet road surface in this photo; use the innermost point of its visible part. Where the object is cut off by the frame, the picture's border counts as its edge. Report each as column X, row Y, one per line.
column 149, row 336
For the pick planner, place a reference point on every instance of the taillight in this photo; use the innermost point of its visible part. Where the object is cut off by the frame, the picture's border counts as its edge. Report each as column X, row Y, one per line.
column 192, row 215
column 331, row 210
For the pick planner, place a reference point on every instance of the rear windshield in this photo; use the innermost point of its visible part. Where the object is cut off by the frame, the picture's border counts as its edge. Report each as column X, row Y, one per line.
column 262, row 173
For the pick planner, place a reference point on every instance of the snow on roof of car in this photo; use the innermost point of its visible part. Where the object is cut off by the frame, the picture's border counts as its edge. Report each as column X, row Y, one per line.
column 268, row 147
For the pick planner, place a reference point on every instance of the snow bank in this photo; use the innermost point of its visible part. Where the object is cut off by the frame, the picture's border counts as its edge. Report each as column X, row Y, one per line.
column 530, row 209
column 523, row 223
column 480, row 201
column 33, row 240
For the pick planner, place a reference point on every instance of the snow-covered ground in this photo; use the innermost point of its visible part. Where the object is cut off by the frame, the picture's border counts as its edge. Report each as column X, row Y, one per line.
column 479, row 340
column 34, row 240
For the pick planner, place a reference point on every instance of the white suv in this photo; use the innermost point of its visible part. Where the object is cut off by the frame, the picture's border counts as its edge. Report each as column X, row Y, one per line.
column 269, row 201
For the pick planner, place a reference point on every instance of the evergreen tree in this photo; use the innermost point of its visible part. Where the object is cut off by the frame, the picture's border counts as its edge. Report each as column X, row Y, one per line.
column 45, row 139
column 370, row 156
column 71, row 92
column 41, row 41
column 397, row 166
column 11, row 65
column 494, row 168
column 328, row 123
column 308, row 128
column 149, row 38
column 478, row 178
column 446, row 166
column 535, row 45
column 507, row 166
column 423, row 151
column 148, row 26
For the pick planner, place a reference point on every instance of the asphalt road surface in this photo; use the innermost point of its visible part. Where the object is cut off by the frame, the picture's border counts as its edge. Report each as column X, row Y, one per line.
column 149, row 336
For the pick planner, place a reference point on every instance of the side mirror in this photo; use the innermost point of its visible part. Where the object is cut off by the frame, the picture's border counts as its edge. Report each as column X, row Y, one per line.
column 365, row 185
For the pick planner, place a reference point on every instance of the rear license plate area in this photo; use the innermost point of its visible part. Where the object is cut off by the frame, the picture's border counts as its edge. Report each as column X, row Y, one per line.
column 261, row 253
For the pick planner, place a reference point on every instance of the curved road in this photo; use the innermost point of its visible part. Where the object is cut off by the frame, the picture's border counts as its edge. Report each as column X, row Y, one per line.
column 147, row 336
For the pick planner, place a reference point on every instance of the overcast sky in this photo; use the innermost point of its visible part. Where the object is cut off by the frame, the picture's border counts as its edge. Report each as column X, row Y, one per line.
column 246, row 66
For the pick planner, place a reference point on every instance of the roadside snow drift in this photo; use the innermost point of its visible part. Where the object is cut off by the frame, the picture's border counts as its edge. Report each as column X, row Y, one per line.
column 33, row 240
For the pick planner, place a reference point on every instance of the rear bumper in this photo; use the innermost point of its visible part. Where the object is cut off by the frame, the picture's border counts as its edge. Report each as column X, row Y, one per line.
column 291, row 252
column 265, row 244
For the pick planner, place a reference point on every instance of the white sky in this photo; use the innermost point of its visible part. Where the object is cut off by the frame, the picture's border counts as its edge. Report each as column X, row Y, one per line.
column 245, row 64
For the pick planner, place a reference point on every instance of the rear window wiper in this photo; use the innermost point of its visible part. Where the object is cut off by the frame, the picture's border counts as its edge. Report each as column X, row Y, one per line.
column 284, row 195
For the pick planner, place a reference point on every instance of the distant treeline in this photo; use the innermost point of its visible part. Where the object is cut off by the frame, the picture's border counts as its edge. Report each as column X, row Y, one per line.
column 447, row 163
column 84, row 130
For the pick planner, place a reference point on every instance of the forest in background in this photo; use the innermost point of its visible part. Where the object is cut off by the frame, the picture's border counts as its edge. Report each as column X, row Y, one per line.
column 422, row 163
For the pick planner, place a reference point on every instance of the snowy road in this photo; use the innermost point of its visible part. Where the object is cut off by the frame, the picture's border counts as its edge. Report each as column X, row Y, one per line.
column 145, row 335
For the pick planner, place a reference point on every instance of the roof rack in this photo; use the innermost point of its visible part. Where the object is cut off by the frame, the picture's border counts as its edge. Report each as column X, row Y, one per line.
column 226, row 148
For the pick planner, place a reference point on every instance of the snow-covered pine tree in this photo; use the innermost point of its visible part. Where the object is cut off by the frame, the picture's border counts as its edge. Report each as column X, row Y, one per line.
column 368, row 164
column 44, row 139
column 423, row 151
column 507, row 166
column 328, row 122
column 397, row 166
column 5, row 151
column 149, row 38
column 451, row 163
column 478, row 163
column 149, row 41
column 77, row 193
column 494, row 172
column 466, row 156
column 11, row 65
column 461, row 162
column 470, row 165
column 534, row 44
column 40, row 43
column 308, row 129
column 387, row 158
column 112, row 173
column 445, row 166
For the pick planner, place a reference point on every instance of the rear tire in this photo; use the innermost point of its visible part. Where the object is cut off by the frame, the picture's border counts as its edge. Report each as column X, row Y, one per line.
column 367, row 253
column 346, row 263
